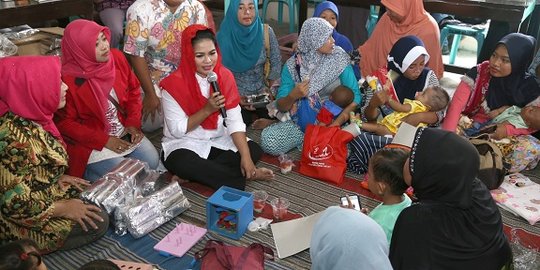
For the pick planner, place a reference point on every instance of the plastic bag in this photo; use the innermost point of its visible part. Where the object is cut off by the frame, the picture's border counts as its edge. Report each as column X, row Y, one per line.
column 285, row 163
column 524, row 257
column 7, row 48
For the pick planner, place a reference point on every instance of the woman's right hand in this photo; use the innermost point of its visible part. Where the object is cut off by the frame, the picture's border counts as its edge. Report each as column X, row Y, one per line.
column 494, row 113
column 300, row 90
column 378, row 99
column 117, row 145
column 78, row 211
column 215, row 101
column 150, row 107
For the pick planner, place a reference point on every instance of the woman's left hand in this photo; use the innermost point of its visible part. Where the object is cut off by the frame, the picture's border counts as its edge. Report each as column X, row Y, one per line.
column 136, row 134
column 248, row 168
column 413, row 119
column 66, row 181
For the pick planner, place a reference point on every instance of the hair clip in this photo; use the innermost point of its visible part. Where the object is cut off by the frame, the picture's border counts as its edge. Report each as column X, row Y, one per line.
column 23, row 256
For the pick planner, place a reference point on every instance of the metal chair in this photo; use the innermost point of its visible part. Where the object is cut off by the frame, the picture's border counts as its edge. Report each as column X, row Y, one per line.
column 479, row 33
column 293, row 9
column 373, row 18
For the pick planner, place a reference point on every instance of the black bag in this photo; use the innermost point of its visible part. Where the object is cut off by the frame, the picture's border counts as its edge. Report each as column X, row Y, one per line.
column 492, row 167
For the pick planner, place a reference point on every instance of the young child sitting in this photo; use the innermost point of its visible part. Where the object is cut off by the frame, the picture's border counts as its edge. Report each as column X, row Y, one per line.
column 385, row 178
column 432, row 99
column 21, row 254
column 339, row 99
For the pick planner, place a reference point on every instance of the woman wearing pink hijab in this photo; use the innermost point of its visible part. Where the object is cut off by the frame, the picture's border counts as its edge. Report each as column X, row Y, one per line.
column 402, row 18
column 101, row 122
column 37, row 199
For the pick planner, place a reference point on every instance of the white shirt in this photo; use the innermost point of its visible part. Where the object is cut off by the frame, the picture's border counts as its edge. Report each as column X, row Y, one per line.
column 199, row 140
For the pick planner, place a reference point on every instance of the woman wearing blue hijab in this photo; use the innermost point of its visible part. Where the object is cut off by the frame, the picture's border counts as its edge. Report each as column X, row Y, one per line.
column 348, row 239
column 241, row 39
column 329, row 11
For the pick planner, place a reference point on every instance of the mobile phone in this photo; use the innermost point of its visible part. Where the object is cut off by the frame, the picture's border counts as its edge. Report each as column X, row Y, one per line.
column 354, row 200
column 258, row 100
column 126, row 137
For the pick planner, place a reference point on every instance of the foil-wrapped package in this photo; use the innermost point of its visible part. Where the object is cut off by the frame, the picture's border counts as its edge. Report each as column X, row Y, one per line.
column 7, row 48
column 138, row 199
column 20, row 32
column 161, row 207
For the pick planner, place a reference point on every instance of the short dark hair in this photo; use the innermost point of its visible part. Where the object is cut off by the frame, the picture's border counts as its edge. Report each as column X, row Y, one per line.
column 346, row 96
column 387, row 165
column 12, row 255
column 439, row 99
column 204, row 34
column 100, row 265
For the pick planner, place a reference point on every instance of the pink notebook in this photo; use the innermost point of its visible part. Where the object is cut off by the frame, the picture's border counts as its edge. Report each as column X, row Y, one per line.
column 180, row 239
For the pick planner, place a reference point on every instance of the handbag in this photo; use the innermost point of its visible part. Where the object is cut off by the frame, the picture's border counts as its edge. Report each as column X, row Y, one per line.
column 267, row 50
column 218, row 256
column 324, row 155
column 117, row 106
column 492, row 167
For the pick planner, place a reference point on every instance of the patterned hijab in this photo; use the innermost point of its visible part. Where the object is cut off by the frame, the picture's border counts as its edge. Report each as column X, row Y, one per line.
column 241, row 45
column 455, row 224
column 321, row 69
column 79, row 58
column 30, row 88
column 340, row 39
column 184, row 87
column 403, row 53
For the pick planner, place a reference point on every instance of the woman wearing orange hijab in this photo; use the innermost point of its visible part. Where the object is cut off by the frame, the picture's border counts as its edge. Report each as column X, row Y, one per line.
column 402, row 18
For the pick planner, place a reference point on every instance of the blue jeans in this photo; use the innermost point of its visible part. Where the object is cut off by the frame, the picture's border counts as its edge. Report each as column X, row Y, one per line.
column 145, row 152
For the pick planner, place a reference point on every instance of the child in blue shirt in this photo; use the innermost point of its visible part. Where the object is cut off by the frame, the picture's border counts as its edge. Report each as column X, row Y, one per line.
column 340, row 98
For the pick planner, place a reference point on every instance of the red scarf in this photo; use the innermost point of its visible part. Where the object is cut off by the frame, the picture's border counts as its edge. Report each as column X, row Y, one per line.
column 182, row 84
column 481, row 85
column 79, row 59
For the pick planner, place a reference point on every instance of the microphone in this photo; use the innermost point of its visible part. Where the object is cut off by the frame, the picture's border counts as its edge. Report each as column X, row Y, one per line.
column 212, row 79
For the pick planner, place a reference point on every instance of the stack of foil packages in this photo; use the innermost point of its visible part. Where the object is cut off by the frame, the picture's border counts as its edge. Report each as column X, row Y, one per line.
column 138, row 199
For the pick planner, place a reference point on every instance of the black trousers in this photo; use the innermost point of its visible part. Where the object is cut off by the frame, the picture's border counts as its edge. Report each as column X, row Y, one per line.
column 221, row 168
column 247, row 115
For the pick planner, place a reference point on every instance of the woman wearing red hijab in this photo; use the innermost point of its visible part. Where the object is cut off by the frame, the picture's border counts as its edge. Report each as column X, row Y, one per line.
column 101, row 122
column 199, row 144
column 37, row 199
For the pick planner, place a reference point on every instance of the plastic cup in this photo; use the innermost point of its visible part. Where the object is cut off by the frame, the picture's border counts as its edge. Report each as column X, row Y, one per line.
column 259, row 200
column 280, row 207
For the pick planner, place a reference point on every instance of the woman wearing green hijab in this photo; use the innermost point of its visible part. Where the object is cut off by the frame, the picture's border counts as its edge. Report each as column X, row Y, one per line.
column 242, row 41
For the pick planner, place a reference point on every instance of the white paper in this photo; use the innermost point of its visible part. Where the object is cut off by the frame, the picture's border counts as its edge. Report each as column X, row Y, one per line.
column 405, row 135
column 294, row 235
